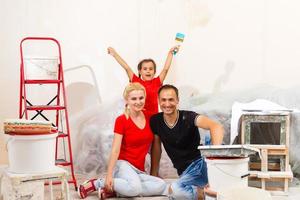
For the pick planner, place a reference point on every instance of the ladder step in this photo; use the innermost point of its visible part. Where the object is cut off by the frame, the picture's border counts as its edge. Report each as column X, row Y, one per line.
column 43, row 81
column 61, row 134
column 43, row 107
column 62, row 162
column 59, row 182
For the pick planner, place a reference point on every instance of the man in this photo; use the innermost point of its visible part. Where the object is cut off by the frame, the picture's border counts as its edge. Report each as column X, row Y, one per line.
column 178, row 131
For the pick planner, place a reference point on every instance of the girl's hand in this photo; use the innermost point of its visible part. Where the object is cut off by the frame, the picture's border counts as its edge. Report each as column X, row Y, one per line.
column 174, row 49
column 111, row 51
column 109, row 183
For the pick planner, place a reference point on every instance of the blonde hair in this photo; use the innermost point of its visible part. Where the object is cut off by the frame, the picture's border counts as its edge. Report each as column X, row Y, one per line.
column 129, row 88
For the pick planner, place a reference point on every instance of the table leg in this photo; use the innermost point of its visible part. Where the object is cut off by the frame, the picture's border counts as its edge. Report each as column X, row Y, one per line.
column 1, row 176
column 67, row 189
column 51, row 189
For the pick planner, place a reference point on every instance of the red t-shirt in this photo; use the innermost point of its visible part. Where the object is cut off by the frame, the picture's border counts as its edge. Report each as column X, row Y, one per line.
column 151, row 87
column 136, row 142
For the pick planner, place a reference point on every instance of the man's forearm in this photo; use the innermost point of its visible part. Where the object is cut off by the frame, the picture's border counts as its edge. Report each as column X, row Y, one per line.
column 217, row 135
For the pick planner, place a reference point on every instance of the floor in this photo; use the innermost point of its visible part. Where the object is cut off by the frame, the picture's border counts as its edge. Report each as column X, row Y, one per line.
column 294, row 193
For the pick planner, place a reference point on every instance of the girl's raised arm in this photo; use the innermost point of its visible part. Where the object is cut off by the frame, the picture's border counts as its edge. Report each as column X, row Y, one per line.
column 122, row 62
column 168, row 63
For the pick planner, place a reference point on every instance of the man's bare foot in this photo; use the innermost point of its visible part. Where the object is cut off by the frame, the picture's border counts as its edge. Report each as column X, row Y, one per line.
column 209, row 191
column 201, row 195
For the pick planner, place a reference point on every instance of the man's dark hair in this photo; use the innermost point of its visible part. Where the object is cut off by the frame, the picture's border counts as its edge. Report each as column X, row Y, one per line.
column 168, row 87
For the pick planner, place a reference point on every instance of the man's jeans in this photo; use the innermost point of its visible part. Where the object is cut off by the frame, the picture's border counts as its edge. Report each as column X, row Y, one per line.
column 186, row 186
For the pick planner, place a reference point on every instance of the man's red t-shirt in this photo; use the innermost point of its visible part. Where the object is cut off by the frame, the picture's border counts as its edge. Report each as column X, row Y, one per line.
column 152, row 87
column 136, row 142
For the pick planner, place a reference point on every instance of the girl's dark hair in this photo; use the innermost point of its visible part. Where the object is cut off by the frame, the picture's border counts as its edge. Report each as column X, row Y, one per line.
column 145, row 61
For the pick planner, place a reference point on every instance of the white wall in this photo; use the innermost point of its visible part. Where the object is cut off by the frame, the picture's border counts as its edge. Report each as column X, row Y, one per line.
column 229, row 44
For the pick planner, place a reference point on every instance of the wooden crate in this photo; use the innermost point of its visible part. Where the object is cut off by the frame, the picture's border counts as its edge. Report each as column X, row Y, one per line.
column 276, row 182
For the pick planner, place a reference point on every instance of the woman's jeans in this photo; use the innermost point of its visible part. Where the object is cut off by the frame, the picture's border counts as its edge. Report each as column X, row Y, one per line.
column 186, row 186
column 130, row 182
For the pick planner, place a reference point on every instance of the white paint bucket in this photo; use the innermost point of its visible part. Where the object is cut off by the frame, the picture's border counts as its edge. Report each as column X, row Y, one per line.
column 227, row 172
column 41, row 68
column 31, row 153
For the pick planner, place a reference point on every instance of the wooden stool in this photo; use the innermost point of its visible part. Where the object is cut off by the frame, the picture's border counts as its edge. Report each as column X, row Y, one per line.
column 18, row 183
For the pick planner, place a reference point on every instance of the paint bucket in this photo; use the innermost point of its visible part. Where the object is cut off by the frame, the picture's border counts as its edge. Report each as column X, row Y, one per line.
column 31, row 153
column 41, row 68
column 245, row 193
column 227, row 172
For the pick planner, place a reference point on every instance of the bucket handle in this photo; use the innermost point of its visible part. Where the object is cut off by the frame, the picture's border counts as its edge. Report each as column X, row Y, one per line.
column 245, row 175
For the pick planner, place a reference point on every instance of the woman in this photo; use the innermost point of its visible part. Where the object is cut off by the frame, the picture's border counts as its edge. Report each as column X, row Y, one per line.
column 132, row 139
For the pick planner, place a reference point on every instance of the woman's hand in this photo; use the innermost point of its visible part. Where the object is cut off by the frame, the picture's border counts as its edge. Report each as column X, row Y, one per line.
column 109, row 183
column 111, row 51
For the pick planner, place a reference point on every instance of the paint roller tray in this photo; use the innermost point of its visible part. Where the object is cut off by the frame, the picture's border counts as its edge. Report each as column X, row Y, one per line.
column 228, row 151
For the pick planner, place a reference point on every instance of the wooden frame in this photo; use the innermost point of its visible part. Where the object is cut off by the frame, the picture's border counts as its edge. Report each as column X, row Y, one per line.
column 264, row 173
column 283, row 118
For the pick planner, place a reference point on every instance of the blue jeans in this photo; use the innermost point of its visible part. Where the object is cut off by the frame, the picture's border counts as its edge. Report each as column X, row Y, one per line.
column 186, row 186
column 130, row 182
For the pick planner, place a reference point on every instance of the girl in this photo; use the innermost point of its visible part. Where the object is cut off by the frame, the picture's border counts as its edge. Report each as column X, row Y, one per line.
column 147, row 69
column 132, row 139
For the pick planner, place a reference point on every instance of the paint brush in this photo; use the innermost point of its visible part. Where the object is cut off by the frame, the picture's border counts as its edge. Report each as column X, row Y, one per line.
column 178, row 40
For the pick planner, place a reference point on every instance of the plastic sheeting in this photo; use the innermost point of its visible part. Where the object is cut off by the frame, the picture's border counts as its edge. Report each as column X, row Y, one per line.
column 92, row 129
column 92, row 135
column 219, row 106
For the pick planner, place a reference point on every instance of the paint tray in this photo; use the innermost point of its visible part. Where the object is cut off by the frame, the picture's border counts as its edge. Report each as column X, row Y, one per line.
column 228, row 151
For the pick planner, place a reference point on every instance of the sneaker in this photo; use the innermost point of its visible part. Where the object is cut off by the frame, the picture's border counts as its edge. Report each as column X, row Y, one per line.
column 104, row 194
column 86, row 188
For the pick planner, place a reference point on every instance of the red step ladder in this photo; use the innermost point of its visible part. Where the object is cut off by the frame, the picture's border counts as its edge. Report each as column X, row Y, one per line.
column 46, row 103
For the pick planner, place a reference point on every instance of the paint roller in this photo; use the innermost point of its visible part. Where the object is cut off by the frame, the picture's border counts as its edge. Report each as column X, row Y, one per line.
column 178, row 40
